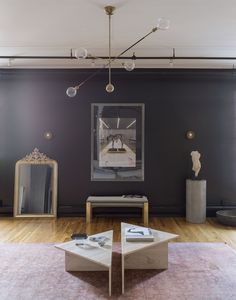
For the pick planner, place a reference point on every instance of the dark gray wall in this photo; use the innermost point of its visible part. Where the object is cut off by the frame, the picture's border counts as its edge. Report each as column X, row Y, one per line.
column 34, row 101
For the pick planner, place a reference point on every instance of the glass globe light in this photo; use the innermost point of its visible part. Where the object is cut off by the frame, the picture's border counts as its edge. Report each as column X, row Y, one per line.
column 163, row 24
column 110, row 88
column 129, row 65
column 81, row 53
column 71, row 92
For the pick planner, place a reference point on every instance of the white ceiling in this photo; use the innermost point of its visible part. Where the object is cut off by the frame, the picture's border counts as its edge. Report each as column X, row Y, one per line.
column 53, row 27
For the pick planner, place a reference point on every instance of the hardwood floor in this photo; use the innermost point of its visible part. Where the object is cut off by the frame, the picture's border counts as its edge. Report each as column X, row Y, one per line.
column 37, row 230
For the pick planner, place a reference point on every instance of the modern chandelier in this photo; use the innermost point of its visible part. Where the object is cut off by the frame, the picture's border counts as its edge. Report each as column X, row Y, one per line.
column 162, row 24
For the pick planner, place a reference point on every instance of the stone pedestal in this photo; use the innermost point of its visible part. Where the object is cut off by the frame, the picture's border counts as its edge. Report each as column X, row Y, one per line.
column 196, row 201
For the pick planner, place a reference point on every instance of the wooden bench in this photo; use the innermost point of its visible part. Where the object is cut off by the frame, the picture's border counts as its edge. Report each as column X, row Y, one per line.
column 116, row 201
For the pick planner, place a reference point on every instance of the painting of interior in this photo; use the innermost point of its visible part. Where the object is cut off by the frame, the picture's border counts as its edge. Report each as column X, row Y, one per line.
column 117, row 142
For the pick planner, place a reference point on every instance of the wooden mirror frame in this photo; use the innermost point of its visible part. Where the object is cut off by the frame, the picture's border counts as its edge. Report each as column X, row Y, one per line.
column 36, row 158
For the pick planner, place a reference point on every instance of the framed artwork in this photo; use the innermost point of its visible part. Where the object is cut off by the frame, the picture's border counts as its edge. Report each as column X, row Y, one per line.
column 117, row 142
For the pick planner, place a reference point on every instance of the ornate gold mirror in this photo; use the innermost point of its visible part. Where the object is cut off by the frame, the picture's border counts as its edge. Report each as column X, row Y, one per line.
column 35, row 186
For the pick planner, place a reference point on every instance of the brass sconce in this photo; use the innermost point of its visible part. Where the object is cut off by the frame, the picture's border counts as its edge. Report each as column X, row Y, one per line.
column 48, row 135
column 190, row 135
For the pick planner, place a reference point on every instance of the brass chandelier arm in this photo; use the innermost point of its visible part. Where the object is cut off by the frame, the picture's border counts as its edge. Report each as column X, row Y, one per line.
column 109, row 11
column 130, row 47
column 90, row 77
column 109, row 48
column 112, row 59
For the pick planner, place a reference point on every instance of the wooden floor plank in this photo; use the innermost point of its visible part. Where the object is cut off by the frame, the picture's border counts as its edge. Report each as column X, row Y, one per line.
column 36, row 230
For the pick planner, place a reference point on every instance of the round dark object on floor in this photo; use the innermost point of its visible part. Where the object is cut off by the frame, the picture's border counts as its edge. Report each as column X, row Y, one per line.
column 227, row 217
column 79, row 236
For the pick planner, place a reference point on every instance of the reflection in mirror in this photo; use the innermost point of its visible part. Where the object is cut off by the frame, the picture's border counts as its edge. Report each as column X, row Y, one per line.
column 35, row 190
column 35, row 186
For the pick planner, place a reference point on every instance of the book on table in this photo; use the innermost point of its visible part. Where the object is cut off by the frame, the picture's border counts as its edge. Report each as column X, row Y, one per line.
column 138, row 234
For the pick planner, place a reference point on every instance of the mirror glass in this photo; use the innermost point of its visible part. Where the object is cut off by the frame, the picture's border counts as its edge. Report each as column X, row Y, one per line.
column 35, row 188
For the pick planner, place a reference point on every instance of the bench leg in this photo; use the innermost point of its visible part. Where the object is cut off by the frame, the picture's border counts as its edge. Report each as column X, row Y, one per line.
column 145, row 214
column 88, row 212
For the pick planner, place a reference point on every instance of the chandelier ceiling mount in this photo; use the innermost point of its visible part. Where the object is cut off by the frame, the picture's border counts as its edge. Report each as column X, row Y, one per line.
column 109, row 9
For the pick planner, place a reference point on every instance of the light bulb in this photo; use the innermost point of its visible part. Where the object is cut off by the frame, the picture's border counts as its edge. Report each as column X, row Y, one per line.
column 48, row 135
column 129, row 65
column 163, row 24
column 190, row 134
column 110, row 88
column 81, row 53
column 71, row 92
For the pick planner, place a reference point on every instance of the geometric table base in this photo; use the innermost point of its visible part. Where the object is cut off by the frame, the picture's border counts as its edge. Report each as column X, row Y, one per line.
column 76, row 263
column 144, row 255
column 155, row 257
column 89, row 256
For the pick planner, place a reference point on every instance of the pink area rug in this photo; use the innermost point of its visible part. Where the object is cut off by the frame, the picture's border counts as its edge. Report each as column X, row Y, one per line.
column 198, row 271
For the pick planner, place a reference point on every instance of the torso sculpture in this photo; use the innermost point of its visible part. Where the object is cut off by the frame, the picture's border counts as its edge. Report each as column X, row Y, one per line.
column 196, row 162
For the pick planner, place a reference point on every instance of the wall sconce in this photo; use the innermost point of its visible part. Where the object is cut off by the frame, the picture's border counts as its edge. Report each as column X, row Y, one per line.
column 190, row 135
column 48, row 135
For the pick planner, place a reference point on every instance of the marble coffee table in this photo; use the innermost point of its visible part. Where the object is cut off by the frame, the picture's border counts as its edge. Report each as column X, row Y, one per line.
column 144, row 255
column 88, row 255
